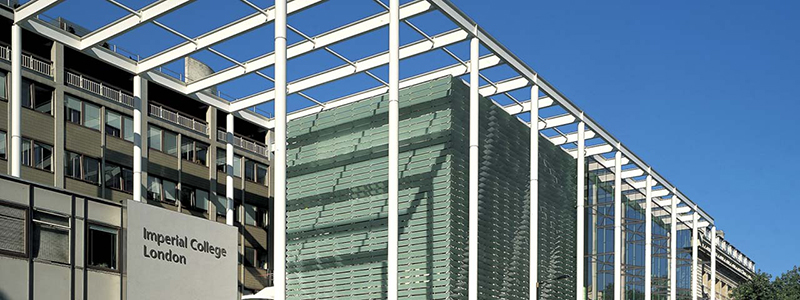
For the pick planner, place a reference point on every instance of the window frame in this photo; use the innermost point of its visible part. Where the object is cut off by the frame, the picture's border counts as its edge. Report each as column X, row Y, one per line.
column 192, row 201
column 255, row 166
column 122, row 177
column 117, row 245
column 82, row 167
column 32, row 155
column 4, row 155
column 162, row 191
column 122, row 127
column 32, row 96
column 28, row 227
column 68, row 228
column 162, row 140
column 193, row 151
column 83, row 105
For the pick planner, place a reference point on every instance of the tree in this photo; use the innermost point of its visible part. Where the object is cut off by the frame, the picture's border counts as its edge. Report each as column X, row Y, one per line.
column 787, row 286
column 759, row 288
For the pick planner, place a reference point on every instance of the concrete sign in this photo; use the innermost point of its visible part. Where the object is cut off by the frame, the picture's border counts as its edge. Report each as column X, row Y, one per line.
column 176, row 256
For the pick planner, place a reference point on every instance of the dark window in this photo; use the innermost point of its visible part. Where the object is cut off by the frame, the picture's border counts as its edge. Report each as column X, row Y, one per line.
column 37, row 155
column 119, row 178
column 37, row 96
column 249, row 257
column 3, row 85
column 255, row 172
column 12, row 229
column 3, row 141
column 103, row 247
column 81, row 167
column 249, row 170
column 194, row 151
column 51, row 237
column 194, row 197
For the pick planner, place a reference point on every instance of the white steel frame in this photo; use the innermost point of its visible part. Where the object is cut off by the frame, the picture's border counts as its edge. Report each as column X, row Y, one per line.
column 650, row 183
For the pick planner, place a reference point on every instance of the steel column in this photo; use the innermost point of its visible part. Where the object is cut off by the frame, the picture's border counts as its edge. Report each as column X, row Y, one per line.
column 137, row 138
column 648, row 237
column 280, row 150
column 229, row 212
column 16, row 100
column 713, row 263
column 579, row 253
column 534, row 208
column 673, row 249
column 695, row 241
column 394, row 144
column 618, row 224
column 474, row 111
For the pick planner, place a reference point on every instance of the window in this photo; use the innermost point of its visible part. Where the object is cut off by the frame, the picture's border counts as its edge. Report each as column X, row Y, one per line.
column 119, row 126
column 220, row 204
column 161, row 189
column 37, row 155
column 3, row 87
column 119, row 178
column 82, row 113
column 3, row 140
column 81, row 167
column 255, row 172
column 12, row 226
column 249, row 257
column 249, row 215
column 103, row 247
column 193, row 197
column 162, row 140
column 51, row 237
column 194, row 151
column 222, row 165
column 37, row 96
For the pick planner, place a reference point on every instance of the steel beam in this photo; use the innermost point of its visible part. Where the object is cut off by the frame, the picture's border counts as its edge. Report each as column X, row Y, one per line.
column 695, row 242
column 131, row 21
column 32, row 9
column 16, row 100
column 581, row 154
column 570, row 137
column 617, row 225
column 279, row 231
column 318, row 42
column 673, row 250
column 525, row 106
column 474, row 117
column 533, row 240
column 347, row 70
column 394, row 150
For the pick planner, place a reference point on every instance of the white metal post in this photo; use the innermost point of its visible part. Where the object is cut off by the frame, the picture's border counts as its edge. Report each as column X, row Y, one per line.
column 673, row 248
column 648, row 237
column 534, row 208
column 394, row 145
column 695, row 241
column 579, row 204
column 714, row 263
column 474, row 97
column 280, row 150
column 618, row 223
column 229, row 212
column 16, row 99
column 137, row 138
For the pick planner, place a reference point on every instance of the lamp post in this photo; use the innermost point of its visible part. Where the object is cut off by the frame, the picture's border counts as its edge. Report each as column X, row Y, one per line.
column 541, row 283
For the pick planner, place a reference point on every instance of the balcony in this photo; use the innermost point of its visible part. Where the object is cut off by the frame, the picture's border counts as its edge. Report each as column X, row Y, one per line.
column 98, row 88
column 29, row 62
column 243, row 143
column 178, row 119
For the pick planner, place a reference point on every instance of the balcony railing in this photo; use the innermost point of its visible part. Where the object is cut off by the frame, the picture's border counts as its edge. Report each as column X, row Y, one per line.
column 245, row 144
column 98, row 88
column 178, row 119
column 29, row 62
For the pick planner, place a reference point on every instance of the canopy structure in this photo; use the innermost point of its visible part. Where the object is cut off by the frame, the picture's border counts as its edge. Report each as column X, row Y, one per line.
column 472, row 52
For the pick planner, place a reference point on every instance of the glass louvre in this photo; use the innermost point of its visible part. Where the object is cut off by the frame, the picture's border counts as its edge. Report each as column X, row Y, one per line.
column 599, row 233
column 684, row 270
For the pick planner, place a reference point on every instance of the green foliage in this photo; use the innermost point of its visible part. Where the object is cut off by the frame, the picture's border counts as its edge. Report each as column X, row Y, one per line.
column 785, row 287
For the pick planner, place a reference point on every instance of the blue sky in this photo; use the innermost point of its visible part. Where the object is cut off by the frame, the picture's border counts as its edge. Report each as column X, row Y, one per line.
column 706, row 92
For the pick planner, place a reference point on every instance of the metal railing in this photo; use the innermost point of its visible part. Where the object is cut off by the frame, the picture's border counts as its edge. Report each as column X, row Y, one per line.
column 176, row 118
column 98, row 88
column 238, row 141
column 29, row 62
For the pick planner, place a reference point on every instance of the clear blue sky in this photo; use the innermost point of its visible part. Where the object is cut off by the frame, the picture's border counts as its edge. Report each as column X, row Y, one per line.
column 706, row 92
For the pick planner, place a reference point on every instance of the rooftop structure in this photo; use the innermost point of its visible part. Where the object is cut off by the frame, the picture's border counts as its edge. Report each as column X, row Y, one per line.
column 557, row 118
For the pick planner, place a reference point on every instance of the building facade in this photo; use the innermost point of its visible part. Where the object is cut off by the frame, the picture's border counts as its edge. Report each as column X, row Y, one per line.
column 77, row 135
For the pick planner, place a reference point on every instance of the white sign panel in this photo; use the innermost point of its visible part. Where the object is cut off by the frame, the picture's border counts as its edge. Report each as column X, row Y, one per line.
column 175, row 256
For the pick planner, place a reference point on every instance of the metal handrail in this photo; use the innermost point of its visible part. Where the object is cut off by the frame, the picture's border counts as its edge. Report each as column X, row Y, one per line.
column 98, row 88
column 178, row 119
column 243, row 143
column 29, row 62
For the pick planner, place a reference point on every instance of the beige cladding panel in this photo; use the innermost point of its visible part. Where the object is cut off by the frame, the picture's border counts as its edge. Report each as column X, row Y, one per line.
column 82, row 187
column 195, row 175
column 119, row 151
column 162, row 165
column 38, row 176
column 103, row 286
column 38, row 126
column 83, row 140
